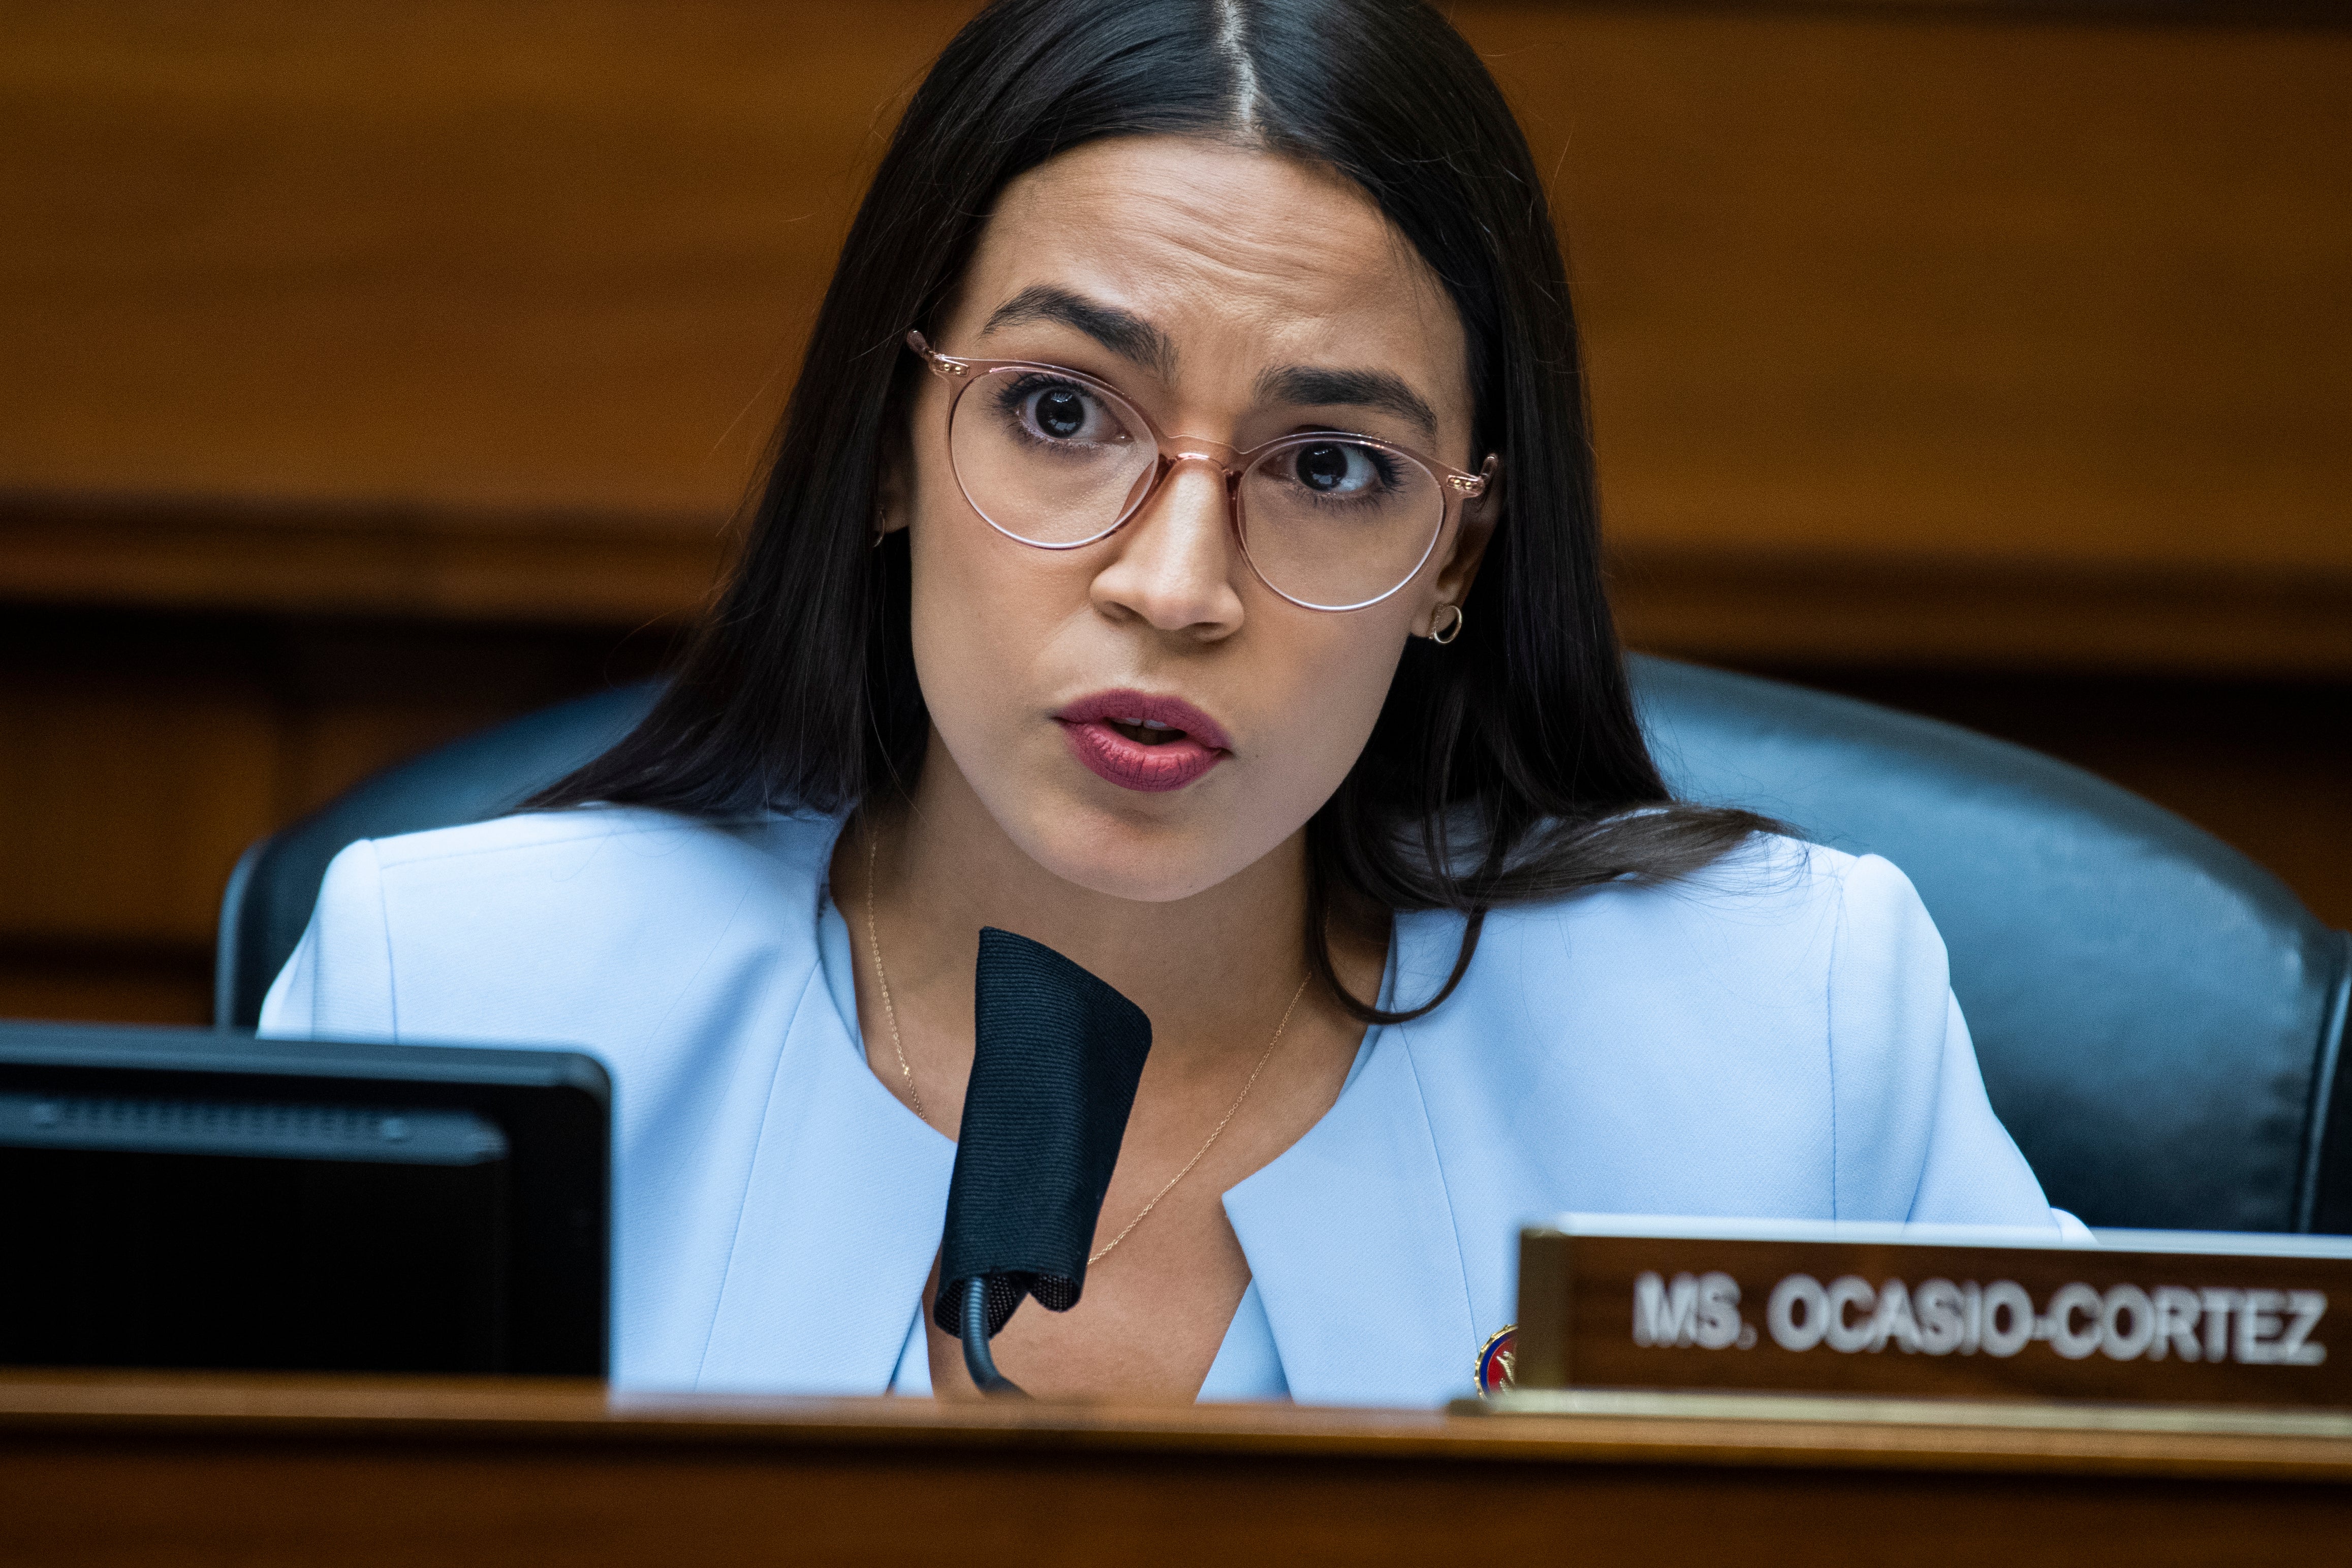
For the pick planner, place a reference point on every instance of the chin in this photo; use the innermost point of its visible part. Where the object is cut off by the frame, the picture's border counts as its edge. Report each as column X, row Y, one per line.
column 1121, row 856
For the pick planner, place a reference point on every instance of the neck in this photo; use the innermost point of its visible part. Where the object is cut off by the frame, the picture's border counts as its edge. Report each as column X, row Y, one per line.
column 1212, row 970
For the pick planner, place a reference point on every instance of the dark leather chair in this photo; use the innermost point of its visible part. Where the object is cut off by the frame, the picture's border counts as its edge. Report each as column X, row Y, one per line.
column 2158, row 1018
column 276, row 881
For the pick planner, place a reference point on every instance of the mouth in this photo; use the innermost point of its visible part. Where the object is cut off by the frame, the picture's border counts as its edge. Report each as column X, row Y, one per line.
column 1141, row 742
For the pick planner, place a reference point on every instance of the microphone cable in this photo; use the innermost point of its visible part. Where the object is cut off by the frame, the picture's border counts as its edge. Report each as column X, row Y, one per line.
column 978, row 1358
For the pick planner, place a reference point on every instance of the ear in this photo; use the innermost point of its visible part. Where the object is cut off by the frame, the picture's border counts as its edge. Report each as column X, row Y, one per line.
column 1471, row 533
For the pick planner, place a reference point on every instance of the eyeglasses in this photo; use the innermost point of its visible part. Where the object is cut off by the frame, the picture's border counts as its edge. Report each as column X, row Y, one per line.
column 1056, row 458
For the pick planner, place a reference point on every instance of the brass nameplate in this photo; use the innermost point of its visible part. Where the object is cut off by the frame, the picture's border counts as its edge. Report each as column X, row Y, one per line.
column 1944, row 1310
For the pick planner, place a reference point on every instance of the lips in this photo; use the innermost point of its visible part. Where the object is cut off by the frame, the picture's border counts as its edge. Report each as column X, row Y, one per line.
column 1141, row 742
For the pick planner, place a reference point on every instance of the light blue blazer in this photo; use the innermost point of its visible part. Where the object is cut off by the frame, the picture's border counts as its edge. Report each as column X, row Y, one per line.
column 1775, row 1038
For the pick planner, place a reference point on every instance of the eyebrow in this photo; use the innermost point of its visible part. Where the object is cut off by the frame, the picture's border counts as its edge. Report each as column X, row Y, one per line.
column 1123, row 332
column 1136, row 340
column 1358, row 388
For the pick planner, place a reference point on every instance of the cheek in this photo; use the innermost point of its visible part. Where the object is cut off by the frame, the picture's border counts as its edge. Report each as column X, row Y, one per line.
column 992, row 625
column 1319, row 690
column 982, row 616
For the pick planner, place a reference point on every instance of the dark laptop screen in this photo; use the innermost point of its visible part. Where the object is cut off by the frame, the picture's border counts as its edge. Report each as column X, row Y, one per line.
column 181, row 1198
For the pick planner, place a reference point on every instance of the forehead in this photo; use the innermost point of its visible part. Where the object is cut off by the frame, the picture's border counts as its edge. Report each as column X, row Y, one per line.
column 1236, row 254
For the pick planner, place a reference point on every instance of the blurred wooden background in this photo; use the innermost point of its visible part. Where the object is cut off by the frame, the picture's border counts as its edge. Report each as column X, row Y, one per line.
column 370, row 372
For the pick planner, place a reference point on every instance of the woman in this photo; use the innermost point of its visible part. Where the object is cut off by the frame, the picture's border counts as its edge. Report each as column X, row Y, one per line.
column 1180, row 549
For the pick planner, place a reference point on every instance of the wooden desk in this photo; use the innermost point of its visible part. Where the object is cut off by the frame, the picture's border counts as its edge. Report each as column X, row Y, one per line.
column 97, row 1470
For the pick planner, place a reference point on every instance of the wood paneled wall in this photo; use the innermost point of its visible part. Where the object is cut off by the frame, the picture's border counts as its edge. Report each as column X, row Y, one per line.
column 1890, row 298
column 140, row 753
column 1960, row 357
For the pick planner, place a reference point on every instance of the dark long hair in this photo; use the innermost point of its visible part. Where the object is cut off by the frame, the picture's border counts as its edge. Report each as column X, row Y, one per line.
column 1504, row 768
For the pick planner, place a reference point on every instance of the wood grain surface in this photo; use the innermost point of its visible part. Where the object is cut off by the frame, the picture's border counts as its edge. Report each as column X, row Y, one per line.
column 1891, row 306
column 1932, row 1318
column 253, row 1471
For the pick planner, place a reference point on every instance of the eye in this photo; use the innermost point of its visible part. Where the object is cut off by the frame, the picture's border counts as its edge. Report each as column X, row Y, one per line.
column 1340, row 468
column 1059, row 412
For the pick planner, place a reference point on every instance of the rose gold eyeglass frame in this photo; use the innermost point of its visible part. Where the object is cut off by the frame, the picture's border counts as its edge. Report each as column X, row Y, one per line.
column 1454, row 485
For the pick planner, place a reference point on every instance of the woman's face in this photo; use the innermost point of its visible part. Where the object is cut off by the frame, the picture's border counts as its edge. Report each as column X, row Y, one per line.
column 1200, row 281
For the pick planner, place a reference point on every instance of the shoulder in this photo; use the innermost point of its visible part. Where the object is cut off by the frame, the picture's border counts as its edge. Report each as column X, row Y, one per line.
column 1774, row 915
column 1783, row 980
column 520, row 924
column 593, row 849
column 1774, row 1034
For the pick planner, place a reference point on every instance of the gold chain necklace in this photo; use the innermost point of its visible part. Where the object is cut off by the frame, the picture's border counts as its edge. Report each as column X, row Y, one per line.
column 915, row 1098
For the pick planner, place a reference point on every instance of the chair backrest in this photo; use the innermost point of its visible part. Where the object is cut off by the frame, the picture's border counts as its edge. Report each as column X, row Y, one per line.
column 276, row 882
column 2158, row 1018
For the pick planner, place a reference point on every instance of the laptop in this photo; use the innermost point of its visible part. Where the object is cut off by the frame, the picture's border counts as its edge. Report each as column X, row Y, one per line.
column 191, row 1198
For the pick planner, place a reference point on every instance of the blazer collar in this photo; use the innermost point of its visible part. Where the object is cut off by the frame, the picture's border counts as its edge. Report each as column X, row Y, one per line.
column 1349, row 1234
column 842, row 1210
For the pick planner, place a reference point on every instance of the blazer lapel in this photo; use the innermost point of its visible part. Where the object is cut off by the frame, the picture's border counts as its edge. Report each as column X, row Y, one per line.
column 841, row 1217
column 1349, row 1234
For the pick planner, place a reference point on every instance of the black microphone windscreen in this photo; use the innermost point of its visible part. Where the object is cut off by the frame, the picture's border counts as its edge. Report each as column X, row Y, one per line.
column 1056, row 1053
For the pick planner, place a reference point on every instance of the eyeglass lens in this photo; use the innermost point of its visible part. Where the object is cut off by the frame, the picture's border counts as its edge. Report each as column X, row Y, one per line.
column 1326, row 521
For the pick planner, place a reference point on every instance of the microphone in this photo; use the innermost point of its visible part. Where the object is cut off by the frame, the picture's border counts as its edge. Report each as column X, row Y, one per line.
column 1056, row 1056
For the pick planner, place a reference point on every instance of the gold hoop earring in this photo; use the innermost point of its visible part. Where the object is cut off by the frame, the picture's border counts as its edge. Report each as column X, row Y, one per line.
column 1453, row 630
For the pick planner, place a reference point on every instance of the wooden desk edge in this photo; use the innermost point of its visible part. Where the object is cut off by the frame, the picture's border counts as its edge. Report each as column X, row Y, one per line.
column 44, row 1407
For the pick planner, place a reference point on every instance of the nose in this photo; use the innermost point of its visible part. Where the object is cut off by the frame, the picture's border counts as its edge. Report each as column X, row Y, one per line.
column 1176, row 563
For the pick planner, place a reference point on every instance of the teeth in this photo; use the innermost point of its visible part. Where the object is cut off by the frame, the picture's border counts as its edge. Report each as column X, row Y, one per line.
column 1140, row 724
